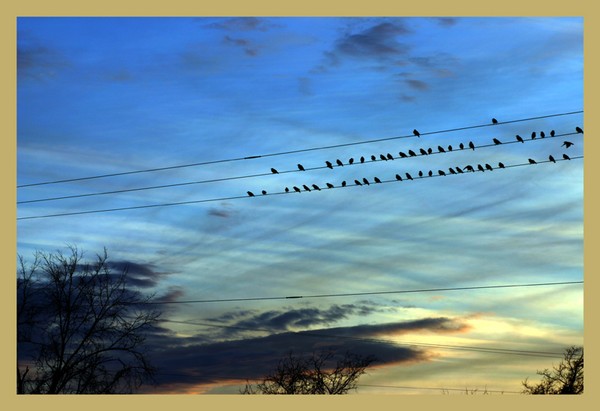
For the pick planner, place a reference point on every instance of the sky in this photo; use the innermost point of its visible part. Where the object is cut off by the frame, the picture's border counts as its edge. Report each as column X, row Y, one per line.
column 207, row 106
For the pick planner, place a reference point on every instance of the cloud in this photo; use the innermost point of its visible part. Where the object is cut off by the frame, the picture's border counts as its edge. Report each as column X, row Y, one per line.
column 250, row 49
column 138, row 275
column 242, row 24
column 417, row 84
column 378, row 41
column 39, row 62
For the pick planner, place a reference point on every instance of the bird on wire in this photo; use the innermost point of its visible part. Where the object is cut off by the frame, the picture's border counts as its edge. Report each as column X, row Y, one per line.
column 501, row 165
column 274, row 171
column 420, row 173
column 461, row 146
column 250, row 194
column 329, row 185
column 469, row 168
column 351, row 161
column 441, row 149
column 430, row 173
column 300, row 167
column 377, row 180
column 429, row 150
column 398, row 177
column 533, row 135
column 373, row 158
column 306, row 187
column 362, row 159
column 403, row 155
column 551, row 133
column 296, row 189
column 567, row 144
column 441, row 172
column 316, row 187
column 532, row 161
column 287, row 190
column 579, row 130
column 423, row 152
column 496, row 141
column 264, row 192
column 381, row 156
column 389, row 156
column 551, row 158
column 566, row 157
column 366, row 181
column 411, row 153
column 328, row 163
column 542, row 134
column 357, row 183
column 344, row 183
column 339, row 163
column 408, row 176
column 449, row 148
column 458, row 169
column 471, row 145
column 489, row 167
column 416, row 133
column 519, row 138
column 480, row 168
column 451, row 170
column 494, row 121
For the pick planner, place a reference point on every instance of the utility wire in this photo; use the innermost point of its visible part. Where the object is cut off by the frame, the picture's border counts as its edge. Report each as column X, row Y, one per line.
column 292, row 151
column 128, row 190
column 107, row 210
column 439, row 389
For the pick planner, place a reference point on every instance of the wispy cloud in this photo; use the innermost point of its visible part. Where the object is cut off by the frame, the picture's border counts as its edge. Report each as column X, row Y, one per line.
column 242, row 24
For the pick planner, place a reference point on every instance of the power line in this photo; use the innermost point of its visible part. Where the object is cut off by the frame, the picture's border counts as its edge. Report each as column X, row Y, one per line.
column 128, row 190
column 291, row 151
column 485, row 390
column 423, row 290
column 107, row 210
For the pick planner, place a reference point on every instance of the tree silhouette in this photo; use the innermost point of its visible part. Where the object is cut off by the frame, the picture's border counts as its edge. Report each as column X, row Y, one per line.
column 565, row 378
column 318, row 374
column 80, row 330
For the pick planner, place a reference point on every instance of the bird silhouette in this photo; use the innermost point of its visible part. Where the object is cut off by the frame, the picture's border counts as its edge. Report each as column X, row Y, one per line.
column 494, row 121
column 542, row 134
column 488, row 167
column 398, row 177
column 296, row 189
column 566, row 157
column 480, row 167
column 469, row 168
column 532, row 161
column 329, row 164
column 351, row 161
column 429, row 150
column 366, row 181
column 449, row 148
column 403, row 155
column 362, row 159
column 423, row 152
column 416, row 133
column 300, row 167
column 339, row 163
column 458, row 169
column 264, row 192
column 329, row 185
column 551, row 159
column 408, row 176
column 471, row 145
column 343, row 183
column 552, row 133
column 287, row 190
column 451, row 170
column 250, row 193
column 430, row 173
column 519, row 138
column 461, row 146
column 306, row 187
column 567, row 144
column 274, row 171
column 441, row 172
column 496, row 141
column 316, row 187
column 373, row 158
column 389, row 156
column 441, row 149
column 501, row 165
column 357, row 183
column 579, row 130
column 533, row 135
column 381, row 156
column 411, row 153
column 420, row 173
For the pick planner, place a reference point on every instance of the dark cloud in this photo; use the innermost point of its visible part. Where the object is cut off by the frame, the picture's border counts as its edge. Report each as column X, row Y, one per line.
column 246, row 45
column 447, row 21
column 378, row 41
column 38, row 61
column 242, row 24
column 138, row 275
column 417, row 84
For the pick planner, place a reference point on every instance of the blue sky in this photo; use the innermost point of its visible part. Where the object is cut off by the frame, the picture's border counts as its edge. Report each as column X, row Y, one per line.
column 100, row 96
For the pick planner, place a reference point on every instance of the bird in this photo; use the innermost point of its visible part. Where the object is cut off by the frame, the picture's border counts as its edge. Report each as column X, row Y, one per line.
column 542, row 134
column 566, row 157
column 471, row 145
column 389, row 156
column 296, row 189
column 250, row 194
column 441, row 172
column 316, row 187
column 411, row 153
column 403, row 155
column 264, row 192
column 381, row 156
column 567, row 144
column 366, row 181
column 423, row 152
column 496, row 141
column 430, row 173
column 300, row 167
column 533, row 135
column 532, row 161
column 441, row 149
column 501, row 165
column 306, row 187
column 480, row 167
column 489, row 167
column 469, row 168
column 551, row 133
column 551, row 159
column 451, row 170
column 329, row 164
column 343, row 183
column 398, row 177
column 449, row 148
column 351, row 161
column 287, row 190
column 579, row 130
column 357, row 183
column 420, row 174
column 494, row 121
column 408, row 176
column 377, row 180
column 519, row 138
column 362, row 159
column 274, row 171
column 339, row 163
column 329, row 185
column 458, row 169
column 373, row 158
column 461, row 146
column 429, row 150
column 416, row 133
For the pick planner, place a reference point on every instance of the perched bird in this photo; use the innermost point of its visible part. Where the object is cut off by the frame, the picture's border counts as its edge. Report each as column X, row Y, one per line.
column 496, row 141
column 287, row 190
column 351, row 161
column 566, row 157
column 264, row 192
column 430, row 173
column 411, row 153
column 250, row 193
column 362, row 159
column 416, row 133
column 296, row 189
column 423, row 152
column 329, row 164
column 458, row 169
column 373, row 158
column 274, row 171
column 480, row 167
column 552, row 133
column 488, row 167
column 398, row 177
column 441, row 172
column 429, row 150
column 542, row 134
column 471, row 145
column 579, row 130
column 343, row 183
column 377, row 180
column 339, row 163
column 329, row 185
column 403, row 155
column 532, row 161
column 300, row 167
column 381, row 156
column 567, row 144
column 519, row 138
column 500, row 165
column 389, row 156
column 316, row 187
column 533, row 135
column 551, row 159
column 451, row 170
column 306, row 187
column 357, row 183
column 450, row 148
column 469, row 168
column 441, row 149
column 494, row 121
column 408, row 176
column 366, row 181
column 461, row 146
column 420, row 173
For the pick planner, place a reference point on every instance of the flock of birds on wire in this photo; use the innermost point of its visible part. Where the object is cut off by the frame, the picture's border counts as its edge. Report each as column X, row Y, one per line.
column 423, row 152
